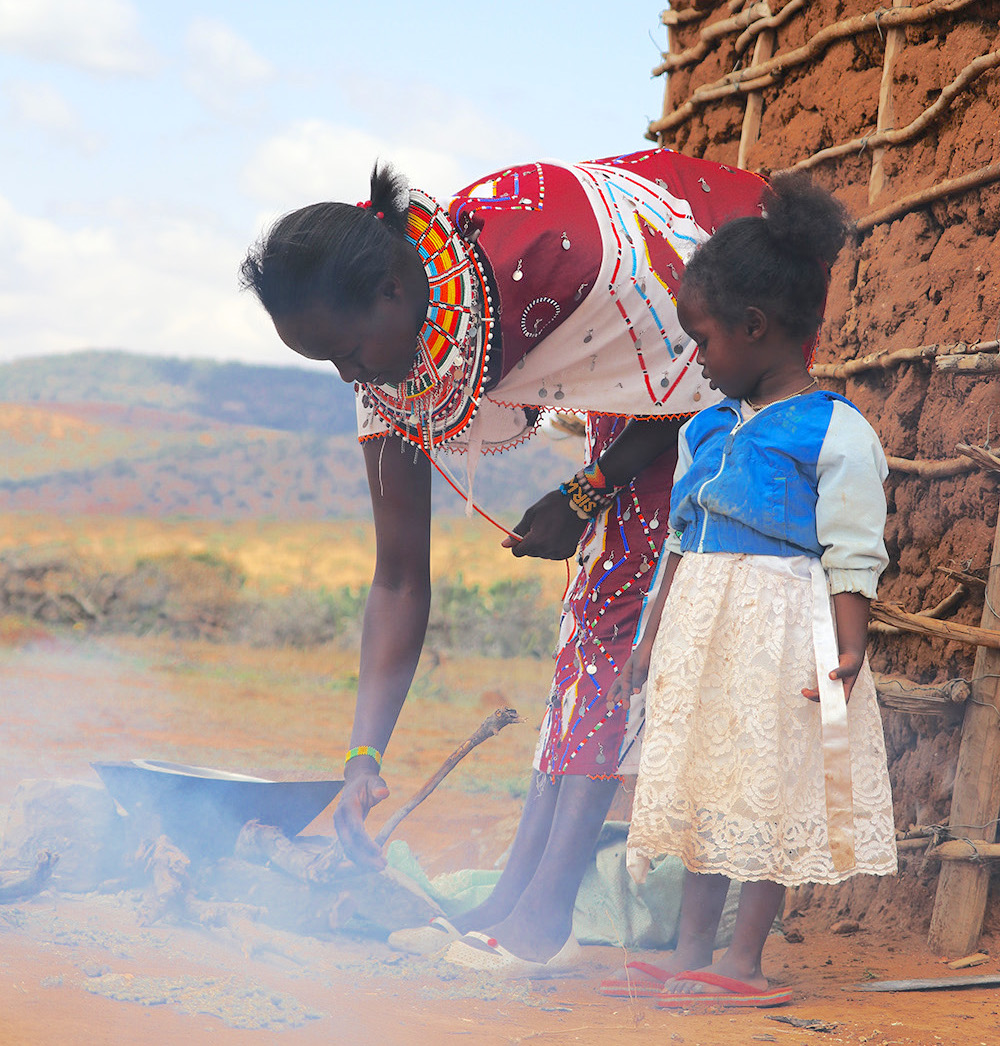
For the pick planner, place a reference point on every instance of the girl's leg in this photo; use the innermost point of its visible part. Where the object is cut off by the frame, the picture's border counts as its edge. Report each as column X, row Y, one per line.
column 525, row 853
column 541, row 920
column 702, row 902
column 759, row 904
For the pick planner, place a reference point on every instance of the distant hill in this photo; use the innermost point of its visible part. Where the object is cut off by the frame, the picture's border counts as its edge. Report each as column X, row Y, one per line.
column 120, row 434
column 288, row 398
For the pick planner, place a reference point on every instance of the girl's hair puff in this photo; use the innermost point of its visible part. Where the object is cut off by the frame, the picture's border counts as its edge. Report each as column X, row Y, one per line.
column 779, row 262
column 337, row 254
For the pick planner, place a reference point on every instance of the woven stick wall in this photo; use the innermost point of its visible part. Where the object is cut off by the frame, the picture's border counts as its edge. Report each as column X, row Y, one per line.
column 896, row 110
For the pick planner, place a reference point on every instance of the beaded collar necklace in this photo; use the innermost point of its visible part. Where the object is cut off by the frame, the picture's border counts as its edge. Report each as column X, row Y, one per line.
column 439, row 397
column 759, row 407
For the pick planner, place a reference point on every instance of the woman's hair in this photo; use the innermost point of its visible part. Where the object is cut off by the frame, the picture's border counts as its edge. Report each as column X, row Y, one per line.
column 779, row 263
column 335, row 253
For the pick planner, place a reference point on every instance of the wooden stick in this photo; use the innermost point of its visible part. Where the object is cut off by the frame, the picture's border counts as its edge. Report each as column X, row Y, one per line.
column 960, row 901
column 928, row 626
column 945, row 698
column 27, row 884
column 772, row 22
column 895, row 39
column 779, row 64
column 982, row 457
column 963, row 576
column 970, row 458
column 950, row 602
column 692, row 14
column 928, row 469
column 710, row 35
column 260, row 843
column 890, row 136
column 949, row 849
column 914, row 201
column 750, row 131
column 701, row 97
column 964, row 850
column 884, row 359
column 671, row 37
column 976, row 959
column 490, row 727
column 873, row 21
column 167, row 866
column 977, row 363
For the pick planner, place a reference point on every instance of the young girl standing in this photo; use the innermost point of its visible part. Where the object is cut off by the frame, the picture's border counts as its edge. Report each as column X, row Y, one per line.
column 755, row 767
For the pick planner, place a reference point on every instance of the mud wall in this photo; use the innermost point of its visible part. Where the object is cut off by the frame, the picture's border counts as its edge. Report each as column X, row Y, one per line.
column 921, row 273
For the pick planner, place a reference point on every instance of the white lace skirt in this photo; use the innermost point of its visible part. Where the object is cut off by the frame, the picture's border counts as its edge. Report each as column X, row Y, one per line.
column 731, row 776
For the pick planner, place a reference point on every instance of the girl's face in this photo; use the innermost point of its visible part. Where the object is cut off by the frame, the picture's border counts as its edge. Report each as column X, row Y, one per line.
column 725, row 354
column 375, row 347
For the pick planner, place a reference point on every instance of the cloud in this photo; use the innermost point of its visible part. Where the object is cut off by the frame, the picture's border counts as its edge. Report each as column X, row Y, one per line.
column 441, row 121
column 100, row 35
column 38, row 104
column 164, row 284
column 222, row 65
column 315, row 160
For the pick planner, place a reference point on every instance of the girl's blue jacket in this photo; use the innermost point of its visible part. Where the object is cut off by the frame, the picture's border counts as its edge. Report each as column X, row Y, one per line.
column 801, row 477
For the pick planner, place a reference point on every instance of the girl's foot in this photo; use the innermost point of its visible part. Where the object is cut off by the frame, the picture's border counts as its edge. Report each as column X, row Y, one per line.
column 636, row 980
column 715, row 989
column 725, row 967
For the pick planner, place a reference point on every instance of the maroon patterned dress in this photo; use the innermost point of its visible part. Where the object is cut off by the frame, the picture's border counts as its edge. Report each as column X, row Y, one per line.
column 618, row 558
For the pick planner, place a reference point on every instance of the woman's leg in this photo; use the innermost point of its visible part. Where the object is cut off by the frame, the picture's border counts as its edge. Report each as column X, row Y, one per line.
column 541, row 920
column 525, row 853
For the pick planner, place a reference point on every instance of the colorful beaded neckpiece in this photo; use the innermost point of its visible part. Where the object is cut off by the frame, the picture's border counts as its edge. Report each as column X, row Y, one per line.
column 438, row 399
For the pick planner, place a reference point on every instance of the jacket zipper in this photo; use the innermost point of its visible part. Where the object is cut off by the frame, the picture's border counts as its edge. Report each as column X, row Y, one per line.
column 725, row 451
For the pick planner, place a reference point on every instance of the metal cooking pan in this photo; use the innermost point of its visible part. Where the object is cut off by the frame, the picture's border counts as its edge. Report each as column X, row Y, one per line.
column 202, row 810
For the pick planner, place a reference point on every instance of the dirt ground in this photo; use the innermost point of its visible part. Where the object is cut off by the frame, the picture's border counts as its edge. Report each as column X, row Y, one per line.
column 84, row 969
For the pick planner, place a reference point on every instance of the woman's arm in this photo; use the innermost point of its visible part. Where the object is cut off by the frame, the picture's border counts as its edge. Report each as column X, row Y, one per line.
column 550, row 528
column 395, row 622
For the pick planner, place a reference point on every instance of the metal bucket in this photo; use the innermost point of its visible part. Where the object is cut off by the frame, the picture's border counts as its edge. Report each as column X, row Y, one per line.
column 202, row 810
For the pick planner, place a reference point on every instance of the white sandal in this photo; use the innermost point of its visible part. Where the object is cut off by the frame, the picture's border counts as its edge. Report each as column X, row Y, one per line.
column 487, row 956
column 424, row 940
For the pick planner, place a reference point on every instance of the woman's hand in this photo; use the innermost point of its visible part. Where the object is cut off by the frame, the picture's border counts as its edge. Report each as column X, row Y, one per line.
column 632, row 676
column 550, row 529
column 361, row 791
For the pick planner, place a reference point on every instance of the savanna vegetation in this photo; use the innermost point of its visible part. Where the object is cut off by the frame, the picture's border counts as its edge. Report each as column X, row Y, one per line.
column 251, row 629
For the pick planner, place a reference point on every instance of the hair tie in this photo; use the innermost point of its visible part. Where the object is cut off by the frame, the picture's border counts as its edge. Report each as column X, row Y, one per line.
column 364, row 204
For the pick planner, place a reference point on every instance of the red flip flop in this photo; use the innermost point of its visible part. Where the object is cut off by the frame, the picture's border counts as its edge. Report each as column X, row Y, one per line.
column 734, row 993
column 648, row 984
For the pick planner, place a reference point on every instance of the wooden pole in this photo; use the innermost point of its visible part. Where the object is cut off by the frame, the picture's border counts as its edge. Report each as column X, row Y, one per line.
column 960, row 903
column 750, row 131
column 895, row 39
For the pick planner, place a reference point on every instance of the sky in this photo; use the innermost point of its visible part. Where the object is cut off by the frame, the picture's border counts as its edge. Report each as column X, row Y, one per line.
column 144, row 144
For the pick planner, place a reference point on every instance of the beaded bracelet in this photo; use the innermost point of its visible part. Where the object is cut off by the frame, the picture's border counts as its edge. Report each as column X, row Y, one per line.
column 585, row 500
column 364, row 750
